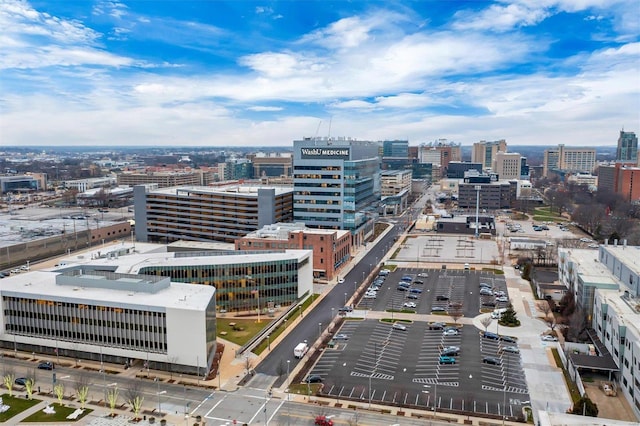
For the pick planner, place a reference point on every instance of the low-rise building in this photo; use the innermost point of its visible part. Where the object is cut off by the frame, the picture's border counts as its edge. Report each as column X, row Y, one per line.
column 92, row 314
column 331, row 248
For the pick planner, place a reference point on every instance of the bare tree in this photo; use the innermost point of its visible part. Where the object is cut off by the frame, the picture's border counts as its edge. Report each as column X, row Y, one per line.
column 135, row 399
column 82, row 388
column 248, row 364
column 8, row 379
column 486, row 322
column 58, row 390
column 112, row 399
column 548, row 316
column 576, row 326
column 455, row 311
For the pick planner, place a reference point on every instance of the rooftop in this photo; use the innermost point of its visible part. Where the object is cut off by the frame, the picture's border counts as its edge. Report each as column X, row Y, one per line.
column 250, row 190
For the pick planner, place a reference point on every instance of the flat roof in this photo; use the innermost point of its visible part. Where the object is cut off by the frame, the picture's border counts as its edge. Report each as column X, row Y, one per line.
column 156, row 255
column 628, row 255
column 622, row 305
column 225, row 189
column 42, row 285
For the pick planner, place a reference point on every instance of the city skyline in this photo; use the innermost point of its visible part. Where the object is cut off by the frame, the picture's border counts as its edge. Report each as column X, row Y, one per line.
column 249, row 73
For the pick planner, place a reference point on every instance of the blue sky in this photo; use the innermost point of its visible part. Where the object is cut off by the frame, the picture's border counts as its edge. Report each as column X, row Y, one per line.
column 238, row 73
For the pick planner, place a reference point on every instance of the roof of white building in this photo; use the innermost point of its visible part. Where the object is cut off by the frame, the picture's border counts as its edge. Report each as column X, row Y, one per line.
column 627, row 309
column 42, row 285
column 628, row 255
column 250, row 190
column 590, row 268
column 156, row 255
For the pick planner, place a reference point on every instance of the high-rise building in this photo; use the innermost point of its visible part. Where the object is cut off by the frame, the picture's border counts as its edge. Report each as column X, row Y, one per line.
column 484, row 152
column 272, row 165
column 627, row 147
column 572, row 160
column 335, row 182
column 395, row 148
column 507, row 165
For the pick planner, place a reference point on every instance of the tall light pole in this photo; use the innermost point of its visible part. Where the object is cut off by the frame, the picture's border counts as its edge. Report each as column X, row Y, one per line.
column 269, row 341
column 319, row 330
column 288, row 395
column 477, row 188
column 345, row 299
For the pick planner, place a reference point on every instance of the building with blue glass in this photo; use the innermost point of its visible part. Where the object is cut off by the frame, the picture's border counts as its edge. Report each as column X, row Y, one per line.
column 336, row 184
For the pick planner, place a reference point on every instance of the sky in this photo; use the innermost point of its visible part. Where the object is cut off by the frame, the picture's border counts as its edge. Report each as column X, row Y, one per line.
column 266, row 73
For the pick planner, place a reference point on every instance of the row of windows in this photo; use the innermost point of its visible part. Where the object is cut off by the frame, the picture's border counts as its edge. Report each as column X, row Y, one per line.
column 84, row 321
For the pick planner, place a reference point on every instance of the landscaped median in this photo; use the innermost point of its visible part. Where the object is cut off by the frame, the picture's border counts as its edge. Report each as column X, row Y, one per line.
column 16, row 406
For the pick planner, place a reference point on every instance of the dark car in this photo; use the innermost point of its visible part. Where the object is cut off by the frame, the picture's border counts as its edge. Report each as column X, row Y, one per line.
column 22, row 381
column 408, row 278
column 413, row 296
column 508, row 339
column 415, row 290
column 442, row 297
column 402, row 288
column 418, row 282
column 490, row 335
column 449, row 352
column 2, row 275
column 491, row 360
column 46, row 366
column 436, row 326
column 314, row 379
column 490, row 303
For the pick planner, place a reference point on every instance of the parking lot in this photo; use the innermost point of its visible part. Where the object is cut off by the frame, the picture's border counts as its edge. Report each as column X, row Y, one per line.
column 375, row 362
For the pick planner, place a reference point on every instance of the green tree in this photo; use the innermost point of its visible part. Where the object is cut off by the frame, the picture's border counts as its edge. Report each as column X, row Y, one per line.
column 509, row 317
column 585, row 407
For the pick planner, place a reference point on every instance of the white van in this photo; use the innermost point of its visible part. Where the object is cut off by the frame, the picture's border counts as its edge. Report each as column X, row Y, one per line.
column 497, row 313
column 467, row 267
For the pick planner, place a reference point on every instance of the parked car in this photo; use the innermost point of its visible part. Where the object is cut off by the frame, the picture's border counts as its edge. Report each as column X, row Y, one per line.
column 449, row 352
column 402, row 288
column 486, row 285
column 404, row 284
column 398, row 326
column 442, row 297
column 346, row 309
column 340, row 280
column 508, row 339
column 491, row 360
column 413, row 296
column 415, row 290
column 490, row 303
column 370, row 296
column 511, row 349
column 407, row 278
column 490, row 335
column 21, row 381
column 486, row 292
column 499, row 293
column 450, row 332
column 314, row 379
column 436, row 326
column 423, row 275
column 549, row 338
column 47, row 365
column 438, row 309
column 409, row 305
column 502, row 299
column 418, row 282
column 341, row 336
column 446, row 360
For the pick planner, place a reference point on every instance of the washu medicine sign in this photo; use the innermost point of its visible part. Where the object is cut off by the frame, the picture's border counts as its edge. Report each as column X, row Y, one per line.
column 339, row 153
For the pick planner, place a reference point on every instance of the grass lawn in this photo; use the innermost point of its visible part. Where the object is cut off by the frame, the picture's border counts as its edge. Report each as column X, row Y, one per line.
column 544, row 214
column 18, row 405
column 303, row 389
column 60, row 416
column 245, row 328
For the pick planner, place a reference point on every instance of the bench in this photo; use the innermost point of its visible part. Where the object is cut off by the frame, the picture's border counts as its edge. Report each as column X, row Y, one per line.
column 223, row 333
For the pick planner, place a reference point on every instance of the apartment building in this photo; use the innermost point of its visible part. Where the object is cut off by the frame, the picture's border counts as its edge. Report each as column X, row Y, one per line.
column 573, row 160
column 199, row 213
column 606, row 285
column 621, row 179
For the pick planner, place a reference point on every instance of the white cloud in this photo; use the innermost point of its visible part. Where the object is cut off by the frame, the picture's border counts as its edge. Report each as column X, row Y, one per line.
column 264, row 108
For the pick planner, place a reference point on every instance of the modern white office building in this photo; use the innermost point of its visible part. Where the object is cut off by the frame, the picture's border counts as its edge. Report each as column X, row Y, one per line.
column 84, row 313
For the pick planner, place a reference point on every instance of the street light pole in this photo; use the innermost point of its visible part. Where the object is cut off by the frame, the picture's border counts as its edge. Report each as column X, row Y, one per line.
column 269, row 341
column 319, row 330
column 345, row 299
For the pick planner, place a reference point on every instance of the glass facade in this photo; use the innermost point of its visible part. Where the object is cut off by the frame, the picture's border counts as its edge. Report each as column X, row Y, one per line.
column 240, row 287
